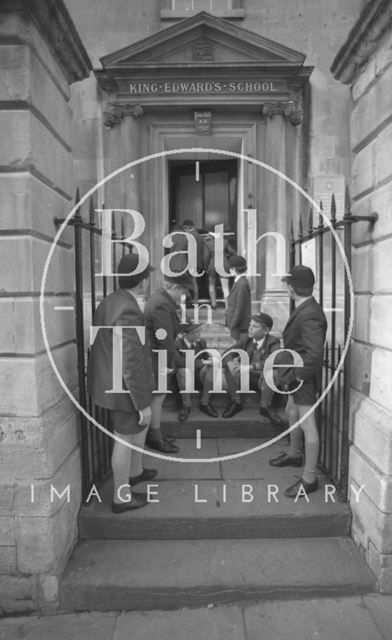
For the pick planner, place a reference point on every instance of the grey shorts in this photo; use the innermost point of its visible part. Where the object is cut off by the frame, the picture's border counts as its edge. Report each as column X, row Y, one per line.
column 126, row 422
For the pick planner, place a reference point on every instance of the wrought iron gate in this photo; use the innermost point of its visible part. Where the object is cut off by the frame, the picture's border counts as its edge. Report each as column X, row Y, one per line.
column 334, row 411
column 96, row 446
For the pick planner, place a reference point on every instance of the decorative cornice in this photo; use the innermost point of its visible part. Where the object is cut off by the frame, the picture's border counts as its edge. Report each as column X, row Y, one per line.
column 363, row 40
column 54, row 22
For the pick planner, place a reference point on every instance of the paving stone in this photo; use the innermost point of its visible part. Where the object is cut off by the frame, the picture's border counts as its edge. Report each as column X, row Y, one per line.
column 223, row 623
column 380, row 608
column 85, row 626
column 329, row 619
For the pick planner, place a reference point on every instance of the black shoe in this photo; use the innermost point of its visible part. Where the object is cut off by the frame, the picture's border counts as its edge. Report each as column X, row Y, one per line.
column 232, row 409
column 286, row 461
column 162, row 445
column 183, row 413
column 299, row 487
column 138, row 501
column 209, row 410
column 144, row 476
column 168, row 438
column 272, row 416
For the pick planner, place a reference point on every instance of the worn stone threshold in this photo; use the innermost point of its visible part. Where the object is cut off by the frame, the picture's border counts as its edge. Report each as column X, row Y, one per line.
column 127, row 575
column 223, row 499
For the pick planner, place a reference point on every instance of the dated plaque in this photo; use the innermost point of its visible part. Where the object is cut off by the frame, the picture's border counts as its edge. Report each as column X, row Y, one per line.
column 203, row 121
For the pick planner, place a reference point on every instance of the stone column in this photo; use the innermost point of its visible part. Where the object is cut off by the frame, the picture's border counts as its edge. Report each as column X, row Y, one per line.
column 41, row 55
column 274, row 299
column 131, row 151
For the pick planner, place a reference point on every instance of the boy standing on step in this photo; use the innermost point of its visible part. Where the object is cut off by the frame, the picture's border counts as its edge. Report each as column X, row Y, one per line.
column 239, row 300
column 305, row 334
column 115, row 320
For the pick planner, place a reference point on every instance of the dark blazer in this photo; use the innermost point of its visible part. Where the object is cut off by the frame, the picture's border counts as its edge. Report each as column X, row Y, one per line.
column 179, row 262
column 209, row 263
column 239, row 305
column 161, row 313
column 120, row 309
column 180, row 358
column 305, row 333
column 270, row 344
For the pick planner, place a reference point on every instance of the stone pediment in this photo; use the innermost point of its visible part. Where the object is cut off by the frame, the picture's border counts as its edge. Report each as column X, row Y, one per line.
column 203, row 40
column 203, row 60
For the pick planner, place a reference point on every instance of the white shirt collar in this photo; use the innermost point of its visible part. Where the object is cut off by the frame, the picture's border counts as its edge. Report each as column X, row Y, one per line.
column 240, row 275
column 259, row 343
column 187, row 342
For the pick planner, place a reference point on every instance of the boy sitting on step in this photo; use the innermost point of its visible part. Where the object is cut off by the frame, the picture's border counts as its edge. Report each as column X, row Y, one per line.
column 189, row 338
column 259, row 344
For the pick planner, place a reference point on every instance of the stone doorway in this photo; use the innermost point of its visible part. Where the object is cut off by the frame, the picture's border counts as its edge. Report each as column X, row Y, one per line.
column 206, row 193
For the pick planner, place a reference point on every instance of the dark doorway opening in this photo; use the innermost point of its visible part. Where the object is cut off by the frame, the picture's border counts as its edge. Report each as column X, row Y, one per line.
column 205, row 192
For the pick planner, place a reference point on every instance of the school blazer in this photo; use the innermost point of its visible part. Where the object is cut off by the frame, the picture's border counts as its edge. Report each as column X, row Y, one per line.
column 270, row 344
column 161, row 313
column 305, row 333
column 239, row 305
column 120, row 309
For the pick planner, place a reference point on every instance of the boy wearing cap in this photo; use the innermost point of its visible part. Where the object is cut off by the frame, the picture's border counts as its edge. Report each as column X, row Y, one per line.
column 239, row 300
column 305, row 334
column 163, row 326
column 189, row 338
column 131, row 410
column 258, row 344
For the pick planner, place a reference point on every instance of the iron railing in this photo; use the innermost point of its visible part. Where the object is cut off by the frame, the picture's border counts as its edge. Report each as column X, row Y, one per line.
column 333, row 290
column 96, row 446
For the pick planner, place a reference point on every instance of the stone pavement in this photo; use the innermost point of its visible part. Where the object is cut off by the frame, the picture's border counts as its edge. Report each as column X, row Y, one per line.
column 352, row 618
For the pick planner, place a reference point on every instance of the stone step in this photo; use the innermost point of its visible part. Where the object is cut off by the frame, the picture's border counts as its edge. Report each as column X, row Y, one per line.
column 246, row 424
column 222, row 499
column 113, row 575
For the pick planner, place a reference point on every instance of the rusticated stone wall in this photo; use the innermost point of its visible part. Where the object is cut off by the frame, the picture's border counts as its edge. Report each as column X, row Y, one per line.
column 40, row 56
column 365, row 61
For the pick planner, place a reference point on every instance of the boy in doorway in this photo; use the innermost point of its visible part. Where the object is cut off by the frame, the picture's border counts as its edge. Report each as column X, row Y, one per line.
column 239, row 300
